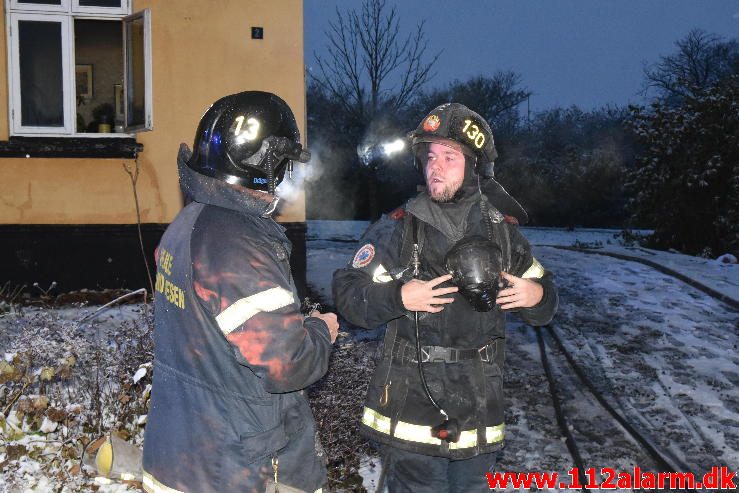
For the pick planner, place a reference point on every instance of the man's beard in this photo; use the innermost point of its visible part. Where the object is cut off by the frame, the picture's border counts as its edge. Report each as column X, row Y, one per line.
column 449, row 193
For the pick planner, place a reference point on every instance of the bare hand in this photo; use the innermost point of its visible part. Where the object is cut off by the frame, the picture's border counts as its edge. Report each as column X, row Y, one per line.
column 331, row 321
column 420, row 296
column 520, row 293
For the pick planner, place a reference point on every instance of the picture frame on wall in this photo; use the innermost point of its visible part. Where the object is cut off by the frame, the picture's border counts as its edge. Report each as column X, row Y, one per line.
column 83, row 81
column 118, row 98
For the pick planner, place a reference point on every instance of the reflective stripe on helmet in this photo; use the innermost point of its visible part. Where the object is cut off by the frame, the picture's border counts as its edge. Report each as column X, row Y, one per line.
column 245, row 308
column 422, row 434
column 535, row 271
column 151, row 485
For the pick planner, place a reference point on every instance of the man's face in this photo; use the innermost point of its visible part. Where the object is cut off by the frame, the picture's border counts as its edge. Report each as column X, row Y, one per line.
column 444, row 171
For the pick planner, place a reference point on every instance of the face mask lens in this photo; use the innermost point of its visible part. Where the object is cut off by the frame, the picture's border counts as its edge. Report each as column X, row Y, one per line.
column 475, row 265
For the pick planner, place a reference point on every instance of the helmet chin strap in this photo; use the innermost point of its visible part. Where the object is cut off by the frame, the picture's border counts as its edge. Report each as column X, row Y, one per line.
column 271, row 207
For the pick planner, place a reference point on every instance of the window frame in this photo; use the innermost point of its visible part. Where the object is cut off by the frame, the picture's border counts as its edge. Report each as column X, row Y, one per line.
column 70, row 7
column 17, row 6
column 123, row 10
column 148, row 89
column 66, row 14
column 14, row 74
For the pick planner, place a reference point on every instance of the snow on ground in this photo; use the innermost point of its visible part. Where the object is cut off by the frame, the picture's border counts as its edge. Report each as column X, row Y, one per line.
column 667, row 351
column 664, row 352
column 65, row 382
column 330, row 245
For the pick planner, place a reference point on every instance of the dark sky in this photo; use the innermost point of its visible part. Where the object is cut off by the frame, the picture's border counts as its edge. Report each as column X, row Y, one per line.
column 584, row 52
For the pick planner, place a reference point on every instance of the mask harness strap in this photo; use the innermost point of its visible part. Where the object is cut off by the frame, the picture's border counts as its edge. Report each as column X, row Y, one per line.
column 487, row 221
column 490, row 226
column 448, row 431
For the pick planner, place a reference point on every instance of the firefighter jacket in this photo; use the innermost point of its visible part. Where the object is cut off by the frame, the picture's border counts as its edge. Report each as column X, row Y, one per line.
column 464, row 349
column 232, row 352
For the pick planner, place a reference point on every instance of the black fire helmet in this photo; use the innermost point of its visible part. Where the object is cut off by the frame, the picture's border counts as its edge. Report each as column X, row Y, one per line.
column 456, row 122
column 248, row 139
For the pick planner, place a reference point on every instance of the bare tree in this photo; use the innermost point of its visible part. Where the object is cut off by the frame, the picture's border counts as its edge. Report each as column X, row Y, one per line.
column 702, row 59
column 495, row 97
column 370, row 67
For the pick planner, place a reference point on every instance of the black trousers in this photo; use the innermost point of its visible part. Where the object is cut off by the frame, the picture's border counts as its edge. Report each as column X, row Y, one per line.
column 411, row 472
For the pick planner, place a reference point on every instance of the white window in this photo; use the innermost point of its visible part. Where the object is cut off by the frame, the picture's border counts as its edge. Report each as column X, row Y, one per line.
column 78, row 68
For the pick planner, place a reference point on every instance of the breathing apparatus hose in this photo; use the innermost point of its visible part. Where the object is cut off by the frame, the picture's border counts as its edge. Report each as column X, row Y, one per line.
column 425, row 386
column 426, row 390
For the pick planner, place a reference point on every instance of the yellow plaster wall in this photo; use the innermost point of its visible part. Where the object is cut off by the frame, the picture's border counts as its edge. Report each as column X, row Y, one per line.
column 199, row 55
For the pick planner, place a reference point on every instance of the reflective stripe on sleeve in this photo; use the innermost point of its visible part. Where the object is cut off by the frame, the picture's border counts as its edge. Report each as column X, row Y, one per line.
column 422, row 434
column 381, row 274
column 151, row 485
column 536, row 270
column 245, row 308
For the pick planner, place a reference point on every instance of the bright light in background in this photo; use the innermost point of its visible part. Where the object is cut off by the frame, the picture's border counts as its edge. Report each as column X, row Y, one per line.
column 369, row 154
column 393, row 147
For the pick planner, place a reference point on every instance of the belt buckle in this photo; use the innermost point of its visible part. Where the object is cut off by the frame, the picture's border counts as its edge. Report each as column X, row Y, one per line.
column 441, row 354
column 485, row 353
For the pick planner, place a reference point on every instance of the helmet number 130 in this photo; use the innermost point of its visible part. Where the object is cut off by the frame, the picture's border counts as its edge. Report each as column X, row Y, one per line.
column 252, row 128
column 474, row 133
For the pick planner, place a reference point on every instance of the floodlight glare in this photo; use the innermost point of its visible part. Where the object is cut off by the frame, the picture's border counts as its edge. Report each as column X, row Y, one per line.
column 393, row 147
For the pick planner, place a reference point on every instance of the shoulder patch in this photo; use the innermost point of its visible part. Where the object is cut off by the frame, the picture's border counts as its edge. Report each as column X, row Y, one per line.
column 398, row 213
column 364, row 256
column 511, row 220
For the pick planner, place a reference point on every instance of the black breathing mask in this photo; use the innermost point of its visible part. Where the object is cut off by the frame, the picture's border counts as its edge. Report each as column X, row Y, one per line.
column 475, row 264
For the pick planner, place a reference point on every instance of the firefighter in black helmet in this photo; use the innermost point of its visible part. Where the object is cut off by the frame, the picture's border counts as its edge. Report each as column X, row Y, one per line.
column 232, row 350
column 442, row 271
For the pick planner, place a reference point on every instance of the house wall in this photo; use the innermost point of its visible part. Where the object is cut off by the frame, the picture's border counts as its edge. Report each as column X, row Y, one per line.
column 72, row 220
column 199, row 55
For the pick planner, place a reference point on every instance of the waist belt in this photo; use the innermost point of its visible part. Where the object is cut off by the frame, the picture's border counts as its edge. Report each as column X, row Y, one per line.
column 405, row 351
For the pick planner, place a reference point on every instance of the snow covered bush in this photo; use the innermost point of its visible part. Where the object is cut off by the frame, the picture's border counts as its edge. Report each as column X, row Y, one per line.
column 686, row 181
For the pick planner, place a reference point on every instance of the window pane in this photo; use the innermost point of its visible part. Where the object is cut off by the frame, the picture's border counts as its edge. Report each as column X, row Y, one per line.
column 136, row 103
column 98, row 47
column 41, row 74
column 41, row 2
column 100, row 3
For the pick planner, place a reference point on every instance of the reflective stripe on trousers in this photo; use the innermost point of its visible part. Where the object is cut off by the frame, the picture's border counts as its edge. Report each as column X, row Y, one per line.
column 422, row 434
column 151, row 485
